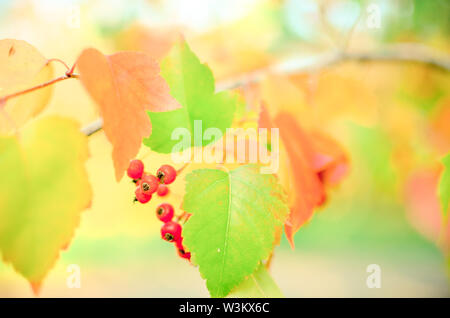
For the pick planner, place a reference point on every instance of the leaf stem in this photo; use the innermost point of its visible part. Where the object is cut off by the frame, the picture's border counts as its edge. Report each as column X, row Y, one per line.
column 72, row 69
column 180, row 170
column 269, row 260
column 182, row 216
column 59, row 61
column 31, row 89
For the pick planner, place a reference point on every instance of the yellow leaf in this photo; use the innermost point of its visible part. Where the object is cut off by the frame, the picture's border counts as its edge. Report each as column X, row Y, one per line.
column 43, row 190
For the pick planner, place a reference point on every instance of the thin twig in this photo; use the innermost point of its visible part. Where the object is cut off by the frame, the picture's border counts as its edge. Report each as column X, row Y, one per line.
column 327, row 27
column 349, row 35
column 401, row 53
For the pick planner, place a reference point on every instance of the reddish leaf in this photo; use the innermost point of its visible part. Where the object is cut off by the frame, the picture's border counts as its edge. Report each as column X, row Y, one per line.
column 309, row 191
column 423, row 209
column 125, row 85
column 314, row 161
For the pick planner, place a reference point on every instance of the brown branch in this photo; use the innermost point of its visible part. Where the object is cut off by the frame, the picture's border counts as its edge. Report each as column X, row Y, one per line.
column 409, row 53
column 92, row 127
column 400, row 53
column 403, row 53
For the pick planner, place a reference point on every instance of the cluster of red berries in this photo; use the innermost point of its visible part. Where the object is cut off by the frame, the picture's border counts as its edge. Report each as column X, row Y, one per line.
column 171, row 230
column 147, row 184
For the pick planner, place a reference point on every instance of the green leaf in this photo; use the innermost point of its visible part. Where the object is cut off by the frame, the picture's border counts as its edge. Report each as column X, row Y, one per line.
column 43, row 189
column 258, row 285
column 444, row 186
column 233, row 223
column 192, row 85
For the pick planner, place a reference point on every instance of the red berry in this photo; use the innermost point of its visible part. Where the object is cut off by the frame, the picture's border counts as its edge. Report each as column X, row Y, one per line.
column 135, row 169
column 149, row 184
column 171, row 231
column 141, row 196
column 164, row 212
column 182, row 253
column 166, row 174
column 163, row 190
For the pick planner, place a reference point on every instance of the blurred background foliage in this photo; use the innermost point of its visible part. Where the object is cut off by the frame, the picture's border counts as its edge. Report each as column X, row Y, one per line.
column 392, row 117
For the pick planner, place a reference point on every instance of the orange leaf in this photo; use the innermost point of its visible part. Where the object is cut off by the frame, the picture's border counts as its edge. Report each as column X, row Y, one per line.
column 264, row 120
column 309, row 191
column 314, row 160
column 440, row 129
column 125, row 85
column 423, row 209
